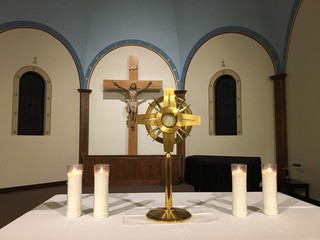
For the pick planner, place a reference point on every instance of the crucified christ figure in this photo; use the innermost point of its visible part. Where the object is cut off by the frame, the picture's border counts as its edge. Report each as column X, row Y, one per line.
column 132, row 102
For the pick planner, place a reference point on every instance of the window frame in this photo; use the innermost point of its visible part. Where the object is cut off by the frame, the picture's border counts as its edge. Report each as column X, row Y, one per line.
column 47, row 100
column 212, row 112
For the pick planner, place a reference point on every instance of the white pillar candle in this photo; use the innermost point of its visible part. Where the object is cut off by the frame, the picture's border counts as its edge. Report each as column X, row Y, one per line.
column 269, row 189
column 239, row 189
column 74, row 192
column 101, row 190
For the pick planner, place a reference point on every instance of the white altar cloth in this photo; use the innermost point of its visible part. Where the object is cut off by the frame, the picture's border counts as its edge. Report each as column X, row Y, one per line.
column 211, row 219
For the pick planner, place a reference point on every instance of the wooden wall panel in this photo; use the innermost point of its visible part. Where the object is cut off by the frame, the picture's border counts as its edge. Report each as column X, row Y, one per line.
column 84, row 123
column 133, row 169
column 281, row 128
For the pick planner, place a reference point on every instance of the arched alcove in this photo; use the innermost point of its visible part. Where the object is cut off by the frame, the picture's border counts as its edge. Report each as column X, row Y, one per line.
column 34, row 50
column 108, row 132
column 253, row 65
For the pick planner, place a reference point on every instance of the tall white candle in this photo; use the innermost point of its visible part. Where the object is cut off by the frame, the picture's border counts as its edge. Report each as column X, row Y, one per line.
column 269, row 189
column 239, row 189
column 101, row 190
column 74, row 192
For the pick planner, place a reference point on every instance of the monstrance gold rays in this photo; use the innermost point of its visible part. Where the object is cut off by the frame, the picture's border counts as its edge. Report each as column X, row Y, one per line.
column 168, row 123
column 173, row 120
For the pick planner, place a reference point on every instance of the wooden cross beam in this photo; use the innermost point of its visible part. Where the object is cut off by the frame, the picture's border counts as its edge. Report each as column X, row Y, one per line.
column 133, row 86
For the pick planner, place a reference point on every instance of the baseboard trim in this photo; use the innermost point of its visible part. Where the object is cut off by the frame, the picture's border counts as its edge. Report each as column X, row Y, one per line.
column 308, row 200
column 32, row 187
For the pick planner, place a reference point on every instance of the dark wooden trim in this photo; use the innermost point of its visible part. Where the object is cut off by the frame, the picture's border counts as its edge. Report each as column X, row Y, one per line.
column 84, row 123
column 309, row 200
column 180, row 93
column 280, row 126
column 181, row 146
column 32, row 187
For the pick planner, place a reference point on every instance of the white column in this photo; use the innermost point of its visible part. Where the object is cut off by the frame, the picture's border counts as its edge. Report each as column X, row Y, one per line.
column 269, row 189
column 74, row 190
column 239, row 189
column 101, row 190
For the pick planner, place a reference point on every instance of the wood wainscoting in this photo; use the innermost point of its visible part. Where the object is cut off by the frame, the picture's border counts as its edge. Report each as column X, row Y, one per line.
column 133, row 169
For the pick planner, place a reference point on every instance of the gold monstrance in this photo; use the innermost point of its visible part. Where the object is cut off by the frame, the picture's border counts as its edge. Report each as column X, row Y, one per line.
column 173, row 120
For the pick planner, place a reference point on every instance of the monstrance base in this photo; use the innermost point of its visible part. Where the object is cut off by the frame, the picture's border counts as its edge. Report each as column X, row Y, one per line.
column 168, row 215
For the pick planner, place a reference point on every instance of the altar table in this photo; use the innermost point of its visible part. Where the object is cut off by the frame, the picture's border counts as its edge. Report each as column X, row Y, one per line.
column 211, row 219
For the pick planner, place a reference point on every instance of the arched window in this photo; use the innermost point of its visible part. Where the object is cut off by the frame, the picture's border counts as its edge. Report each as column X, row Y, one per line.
column 31, row 102
column 225, row 104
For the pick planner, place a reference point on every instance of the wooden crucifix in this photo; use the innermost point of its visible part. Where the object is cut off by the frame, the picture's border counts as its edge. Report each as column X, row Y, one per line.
column 133, row 87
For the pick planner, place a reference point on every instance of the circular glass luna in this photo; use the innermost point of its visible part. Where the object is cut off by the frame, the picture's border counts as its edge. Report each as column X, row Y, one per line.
column 169, row 120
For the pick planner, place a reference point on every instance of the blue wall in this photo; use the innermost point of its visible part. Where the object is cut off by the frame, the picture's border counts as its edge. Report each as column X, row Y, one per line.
column 175, row 27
